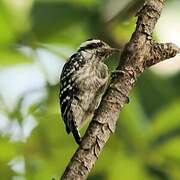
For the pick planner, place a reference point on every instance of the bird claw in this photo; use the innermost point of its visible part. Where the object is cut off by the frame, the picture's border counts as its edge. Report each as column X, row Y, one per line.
column 117, row 72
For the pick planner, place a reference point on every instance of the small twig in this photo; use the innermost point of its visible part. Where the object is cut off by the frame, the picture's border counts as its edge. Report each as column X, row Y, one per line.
column 160, row 52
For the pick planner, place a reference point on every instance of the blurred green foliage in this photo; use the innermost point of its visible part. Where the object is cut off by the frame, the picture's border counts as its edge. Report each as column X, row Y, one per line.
column 146, row 144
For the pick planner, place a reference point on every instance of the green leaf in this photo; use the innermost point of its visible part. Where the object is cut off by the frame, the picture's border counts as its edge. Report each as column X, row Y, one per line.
column 170, row 149
column 132, row 124
column 11, row 57
column 165, row 121
column 8, row 149
column 166, row 156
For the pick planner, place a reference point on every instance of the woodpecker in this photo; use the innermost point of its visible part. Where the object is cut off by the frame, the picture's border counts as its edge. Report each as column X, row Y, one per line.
column 83, row 81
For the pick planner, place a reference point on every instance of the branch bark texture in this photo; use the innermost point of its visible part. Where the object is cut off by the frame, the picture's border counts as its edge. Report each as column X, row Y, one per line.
column 139, row 53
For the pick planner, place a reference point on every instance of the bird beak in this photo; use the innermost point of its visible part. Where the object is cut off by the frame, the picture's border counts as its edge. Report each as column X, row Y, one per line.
column 110, row 51
column 114, row 50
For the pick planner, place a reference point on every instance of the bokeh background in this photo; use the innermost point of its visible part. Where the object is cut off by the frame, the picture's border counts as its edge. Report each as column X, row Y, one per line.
column 36, row 38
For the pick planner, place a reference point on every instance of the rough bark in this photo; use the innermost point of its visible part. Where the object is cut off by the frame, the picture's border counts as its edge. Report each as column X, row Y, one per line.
column 139, row 53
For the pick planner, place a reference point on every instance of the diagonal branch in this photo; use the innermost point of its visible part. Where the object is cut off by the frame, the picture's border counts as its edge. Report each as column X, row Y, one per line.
column 139, row 53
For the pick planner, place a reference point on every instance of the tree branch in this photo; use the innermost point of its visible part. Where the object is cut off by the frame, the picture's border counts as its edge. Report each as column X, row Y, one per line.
column 139, row 53
column 160, row 52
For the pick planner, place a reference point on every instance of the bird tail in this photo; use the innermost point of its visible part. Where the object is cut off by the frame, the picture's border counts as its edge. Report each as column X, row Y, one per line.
column 76, row 134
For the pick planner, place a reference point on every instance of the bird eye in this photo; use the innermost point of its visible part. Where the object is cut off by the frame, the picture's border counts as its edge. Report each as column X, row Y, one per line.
column 92, row 46
column 100, row 44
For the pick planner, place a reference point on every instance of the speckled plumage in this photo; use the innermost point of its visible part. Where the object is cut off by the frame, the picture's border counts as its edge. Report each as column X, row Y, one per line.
column 82, row 84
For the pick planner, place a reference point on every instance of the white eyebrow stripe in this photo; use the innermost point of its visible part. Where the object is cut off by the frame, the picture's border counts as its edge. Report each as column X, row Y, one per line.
column 84, row 44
